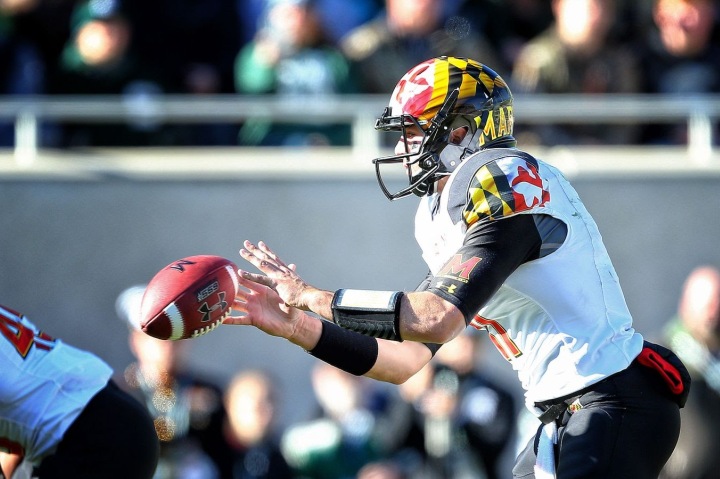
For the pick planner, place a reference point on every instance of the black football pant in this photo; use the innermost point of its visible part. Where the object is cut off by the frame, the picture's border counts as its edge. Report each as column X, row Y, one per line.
column 113, row 438
column 627, row 428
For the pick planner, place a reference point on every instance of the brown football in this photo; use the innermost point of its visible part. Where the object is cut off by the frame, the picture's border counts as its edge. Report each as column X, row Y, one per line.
column 189, row 297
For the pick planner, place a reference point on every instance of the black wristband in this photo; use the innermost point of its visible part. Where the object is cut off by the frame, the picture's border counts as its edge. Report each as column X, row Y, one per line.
column 373, row 313
column 346, row 350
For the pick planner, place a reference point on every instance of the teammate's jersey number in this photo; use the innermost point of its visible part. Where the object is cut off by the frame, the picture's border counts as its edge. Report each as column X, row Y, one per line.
column 499, row 337
column 20, row 336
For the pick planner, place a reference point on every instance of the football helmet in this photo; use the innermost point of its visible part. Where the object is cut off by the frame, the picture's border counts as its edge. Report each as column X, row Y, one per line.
column 457, row 106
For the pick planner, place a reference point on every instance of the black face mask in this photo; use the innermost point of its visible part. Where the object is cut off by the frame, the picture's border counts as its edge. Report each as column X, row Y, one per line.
column 427, row 158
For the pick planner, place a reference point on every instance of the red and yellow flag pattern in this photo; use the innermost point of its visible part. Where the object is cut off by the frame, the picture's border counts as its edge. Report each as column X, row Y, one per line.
column 505, row 187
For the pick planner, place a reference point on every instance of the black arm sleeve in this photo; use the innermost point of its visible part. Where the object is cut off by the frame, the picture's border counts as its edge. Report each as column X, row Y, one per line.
column 492, row 250
column 352, row 352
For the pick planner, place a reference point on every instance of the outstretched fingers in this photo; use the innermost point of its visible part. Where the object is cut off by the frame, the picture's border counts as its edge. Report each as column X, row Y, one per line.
column 263, row 258
column 278, row 276
column 249, row 285
column 261, row 246
column 246, row 278
column 237, row 319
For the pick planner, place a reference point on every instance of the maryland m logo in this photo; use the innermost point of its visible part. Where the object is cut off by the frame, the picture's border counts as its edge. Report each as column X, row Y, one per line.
column 458, row 269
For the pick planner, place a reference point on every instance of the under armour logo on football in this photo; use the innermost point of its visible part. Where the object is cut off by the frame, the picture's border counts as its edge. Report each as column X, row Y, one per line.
column 207, row 310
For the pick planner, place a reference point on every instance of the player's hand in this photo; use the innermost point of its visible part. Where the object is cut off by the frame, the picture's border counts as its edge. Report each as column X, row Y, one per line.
column 262, row 307
column 278, row 276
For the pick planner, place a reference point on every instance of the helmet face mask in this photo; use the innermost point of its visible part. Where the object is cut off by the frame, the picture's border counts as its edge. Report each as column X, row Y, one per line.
column 421, row 161
column 458, row 106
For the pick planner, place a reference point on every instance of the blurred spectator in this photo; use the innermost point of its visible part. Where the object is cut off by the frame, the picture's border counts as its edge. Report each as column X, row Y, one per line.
column 187, row 409
column 579, row 53
column 340, row 16
column 254, row 448
column 99, row 59
column 407, row 451
column 42, row 26
column 249, row 13
column 292, row 57
column 455, row 422
column 22, row 70
column 344, row 436
column 337, row 16
column 694, row 335
column 510, row 24
column 382, row 470
column 408, row 32
column 193, row 43
column 483, row 411
column 681, row 56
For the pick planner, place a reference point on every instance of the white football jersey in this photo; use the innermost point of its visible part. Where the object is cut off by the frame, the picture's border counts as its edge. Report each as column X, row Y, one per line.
column 44, row 385
column 561, row 320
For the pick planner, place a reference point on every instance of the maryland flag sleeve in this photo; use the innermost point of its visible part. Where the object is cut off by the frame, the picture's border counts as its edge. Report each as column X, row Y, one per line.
column 504, row 187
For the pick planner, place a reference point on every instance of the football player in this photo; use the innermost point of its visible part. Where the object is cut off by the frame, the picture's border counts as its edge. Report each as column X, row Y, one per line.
column 511, row 250
column 62, row 414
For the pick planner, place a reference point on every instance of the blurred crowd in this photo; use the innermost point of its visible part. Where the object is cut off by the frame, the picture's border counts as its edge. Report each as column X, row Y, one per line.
column 140, row 48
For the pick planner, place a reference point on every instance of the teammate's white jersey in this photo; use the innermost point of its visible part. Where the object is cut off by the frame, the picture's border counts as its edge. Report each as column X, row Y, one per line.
column 561, row 320
column 44, row 385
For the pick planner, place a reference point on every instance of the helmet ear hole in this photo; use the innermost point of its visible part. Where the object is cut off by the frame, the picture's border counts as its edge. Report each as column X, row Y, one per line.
column 457, row 135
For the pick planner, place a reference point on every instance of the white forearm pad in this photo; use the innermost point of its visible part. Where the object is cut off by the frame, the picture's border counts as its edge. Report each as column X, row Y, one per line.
column 373, row 313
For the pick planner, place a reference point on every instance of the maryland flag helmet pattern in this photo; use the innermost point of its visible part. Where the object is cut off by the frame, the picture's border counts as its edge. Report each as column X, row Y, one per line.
column 440, row 96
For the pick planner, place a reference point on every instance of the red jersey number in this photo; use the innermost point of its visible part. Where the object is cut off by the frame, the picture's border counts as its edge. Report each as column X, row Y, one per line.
column 499, row 337
column 20, row 336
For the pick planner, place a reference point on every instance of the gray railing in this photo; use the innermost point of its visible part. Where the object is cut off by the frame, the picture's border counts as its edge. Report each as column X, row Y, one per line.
column 360, row 111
